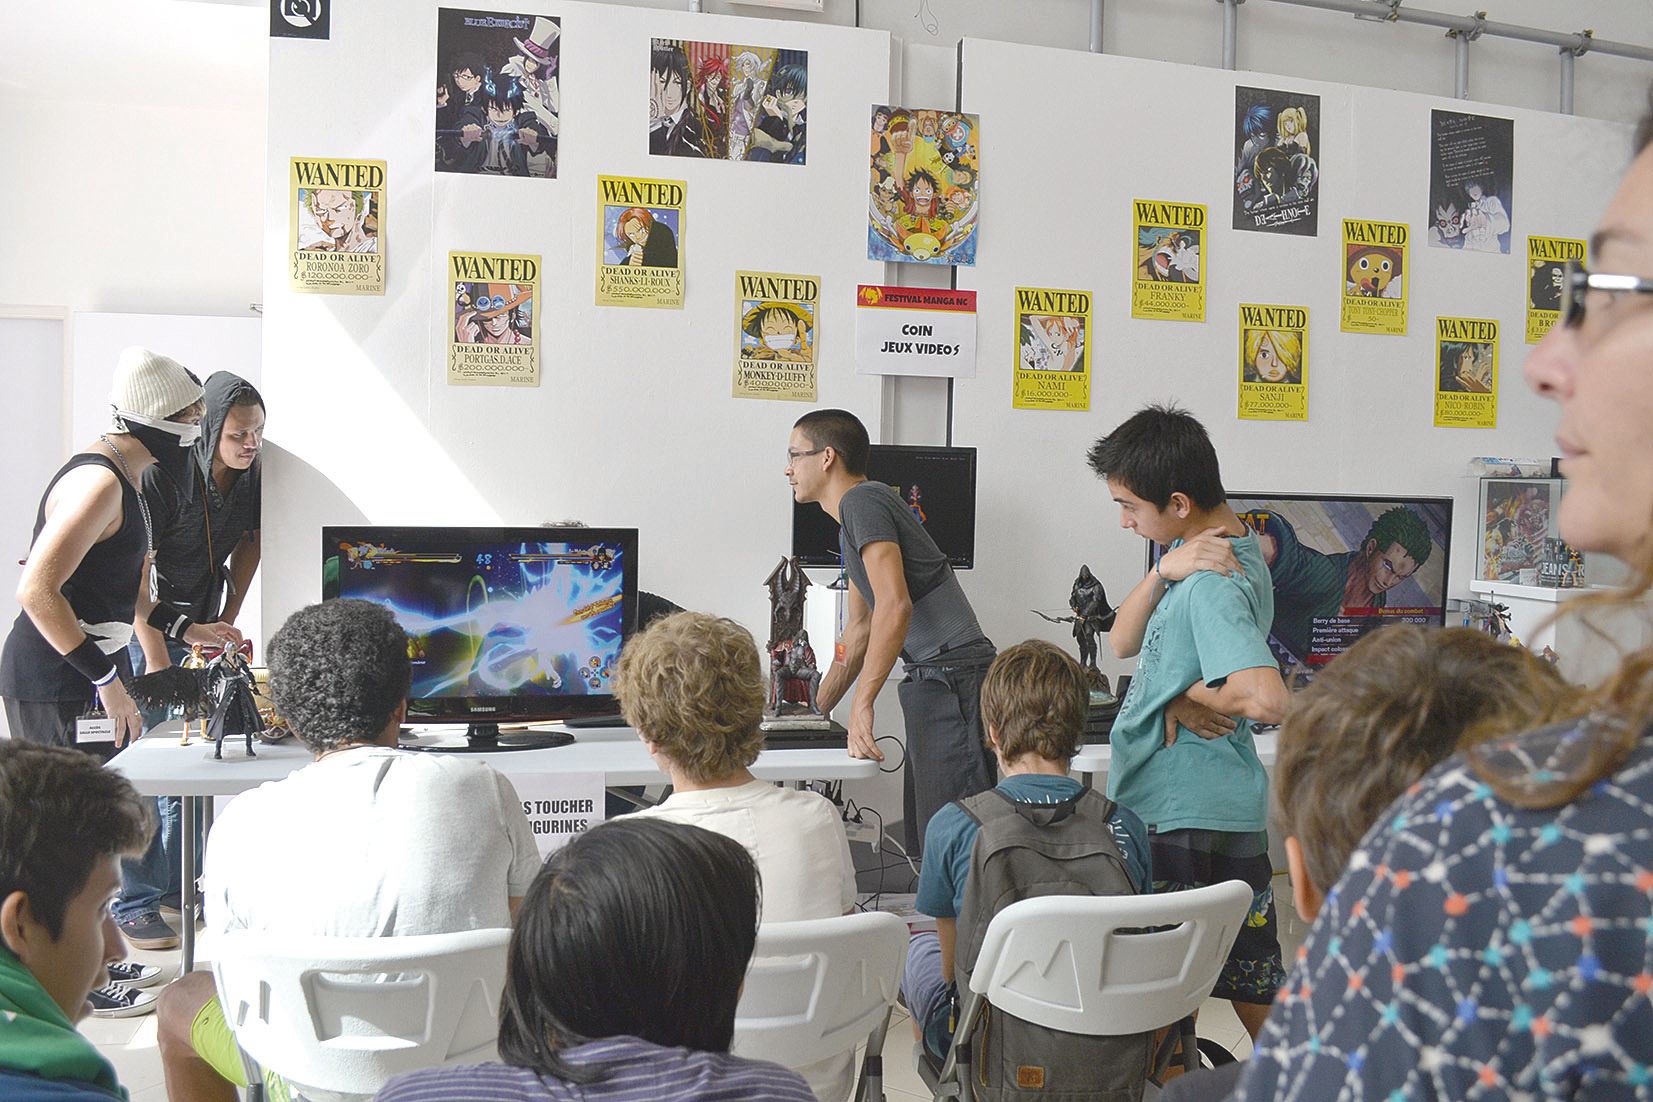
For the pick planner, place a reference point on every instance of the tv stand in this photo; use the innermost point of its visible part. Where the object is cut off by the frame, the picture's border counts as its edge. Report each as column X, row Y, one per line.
column 484, row 738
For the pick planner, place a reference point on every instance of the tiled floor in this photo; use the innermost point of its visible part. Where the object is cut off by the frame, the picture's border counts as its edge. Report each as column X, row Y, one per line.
column 129, row 1043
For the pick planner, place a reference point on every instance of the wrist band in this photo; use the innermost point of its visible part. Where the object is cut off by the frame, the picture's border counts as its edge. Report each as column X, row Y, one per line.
column 106, row 678
column 169, row 622
column 91, row 663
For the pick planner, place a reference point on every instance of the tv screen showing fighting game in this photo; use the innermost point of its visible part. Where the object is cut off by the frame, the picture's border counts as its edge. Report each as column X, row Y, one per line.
column 503, row 623
column 938, row 485
column 1343, row 566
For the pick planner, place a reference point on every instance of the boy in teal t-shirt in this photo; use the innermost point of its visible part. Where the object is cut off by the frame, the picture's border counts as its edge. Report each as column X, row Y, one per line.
column 1183, row 757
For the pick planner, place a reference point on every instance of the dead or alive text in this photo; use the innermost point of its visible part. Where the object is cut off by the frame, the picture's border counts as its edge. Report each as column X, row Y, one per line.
column 641, row 193
column 495, row 269
column 790, row 288
column 1465, row 329
column 1374, row 233
column 1032, row 301
column 343, row 175
column 1274, row 317
column 1191, row 215
column 1554, row 248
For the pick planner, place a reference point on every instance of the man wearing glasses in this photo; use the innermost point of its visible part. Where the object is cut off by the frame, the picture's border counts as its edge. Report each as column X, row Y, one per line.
column 903, row 600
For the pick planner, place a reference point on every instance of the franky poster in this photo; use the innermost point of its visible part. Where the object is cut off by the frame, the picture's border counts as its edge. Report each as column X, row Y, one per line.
column 640, row 242
column 1169, row 278
column 493, row 338
column 1374, row 276
column 1274, row 362
column 338, row 226
column 1053, row 349
column 776, row 327
column 1547, row 259
column 1276, row 166
column 728, row 103
column 926, row 177
column 1466, row 388
column 498, row 111
column 1471, row 158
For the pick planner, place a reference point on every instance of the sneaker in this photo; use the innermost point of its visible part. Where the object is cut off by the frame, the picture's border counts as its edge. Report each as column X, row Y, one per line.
column 117, row 1000
column 134, row 974
column 147, row 931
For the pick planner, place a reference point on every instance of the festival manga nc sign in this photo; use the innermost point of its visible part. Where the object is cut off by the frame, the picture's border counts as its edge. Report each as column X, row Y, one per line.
column 1466, row 387
column 336, row 244
column 915, row 331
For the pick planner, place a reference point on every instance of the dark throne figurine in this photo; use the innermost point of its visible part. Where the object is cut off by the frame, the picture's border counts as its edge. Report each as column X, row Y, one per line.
column 794, row 676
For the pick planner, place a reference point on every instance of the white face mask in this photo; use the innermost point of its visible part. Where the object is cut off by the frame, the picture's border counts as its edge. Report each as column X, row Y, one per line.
column 187, row 434
column 780, row 342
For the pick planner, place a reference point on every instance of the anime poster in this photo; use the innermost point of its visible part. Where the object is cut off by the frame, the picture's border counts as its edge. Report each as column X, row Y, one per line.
column 338, row 225
column 1471, row 160
column 640, row 242
column 1169, row 282
column 1547, row 259
column 776, row 333
column 498, row 111
column 1053, row 349
column 1375, row 256
column 1274, row 362
column 926, row 178
column 728, row 103
column 492, row 338
column 1276, row 161
column 1466, row 390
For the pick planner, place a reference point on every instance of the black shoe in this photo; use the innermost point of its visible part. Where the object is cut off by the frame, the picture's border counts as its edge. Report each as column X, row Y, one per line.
column 134, row 974
column 147, row 931
column 117, row 1000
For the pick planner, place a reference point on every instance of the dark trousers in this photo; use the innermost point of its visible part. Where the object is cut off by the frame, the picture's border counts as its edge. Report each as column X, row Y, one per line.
column 52, row 722
column 947, row 755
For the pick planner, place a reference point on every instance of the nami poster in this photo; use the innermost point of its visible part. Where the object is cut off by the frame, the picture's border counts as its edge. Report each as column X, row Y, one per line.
column 498, row 110
column 1169, row 278
column 1053, row 349
column 925, row 178
column 1276, row 161
column 493, row 338
column 1471, row 159
column 338, row 226
column 728, row 102
column 776, row 332
column 1375, row 257
column 640, row 242
column 1274, row 362
column 1466, row 358
column 1547, row 259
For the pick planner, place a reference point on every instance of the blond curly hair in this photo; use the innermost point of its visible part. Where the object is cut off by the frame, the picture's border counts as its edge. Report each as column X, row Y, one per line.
column 693, row 685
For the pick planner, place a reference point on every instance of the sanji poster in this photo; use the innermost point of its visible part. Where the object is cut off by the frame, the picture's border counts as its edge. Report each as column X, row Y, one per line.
column 1276, row 161
column 1375, row 258
column 338, row 226
column 776, row 335
column 1274, row 362
column 1169, row 277
column 1053, row 349
column 640, row 242
column 1466, row 387
column 728, row 102
column 1471, row 160
column 1547, row 259
column 493, row 339
column 926, row 180
column 498, row 110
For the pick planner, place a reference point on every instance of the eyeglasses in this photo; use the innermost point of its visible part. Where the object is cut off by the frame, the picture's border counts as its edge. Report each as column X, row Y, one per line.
column 1576, row 281
column 792, row 456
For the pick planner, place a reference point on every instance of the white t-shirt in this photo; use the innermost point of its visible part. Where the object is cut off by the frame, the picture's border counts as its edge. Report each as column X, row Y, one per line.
column 802, row 853
column 371, row 842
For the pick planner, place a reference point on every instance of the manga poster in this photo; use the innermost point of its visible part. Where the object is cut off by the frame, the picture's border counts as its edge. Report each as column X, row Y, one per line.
column 926, row 180
column 338, row 222
column 1053, row 341
column 640, row 242
column 492, row 339
column 1169, row 281
column 1466, row 391
column 1375, row 256
column 497, row 105
column 1547, row 259
column 1276, row 166
column 1471, row 160
column 776, row 334
column 728, row 102
column 1274, row 362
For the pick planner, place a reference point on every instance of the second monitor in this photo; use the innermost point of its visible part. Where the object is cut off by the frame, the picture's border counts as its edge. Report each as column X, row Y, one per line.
column 938, row 484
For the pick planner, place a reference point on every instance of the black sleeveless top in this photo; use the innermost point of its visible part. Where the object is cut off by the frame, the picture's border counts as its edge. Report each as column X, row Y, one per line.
column 103, row 589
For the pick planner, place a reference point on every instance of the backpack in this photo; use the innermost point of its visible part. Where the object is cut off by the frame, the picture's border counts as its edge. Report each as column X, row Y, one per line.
column 1023, row 851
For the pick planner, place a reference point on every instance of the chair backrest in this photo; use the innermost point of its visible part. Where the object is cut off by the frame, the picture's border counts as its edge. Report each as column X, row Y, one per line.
column 338, row 1017
column 1067, row 962
column 819, row 987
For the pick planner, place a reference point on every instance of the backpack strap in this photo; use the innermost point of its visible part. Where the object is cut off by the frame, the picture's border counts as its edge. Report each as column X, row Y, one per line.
column 982, row 806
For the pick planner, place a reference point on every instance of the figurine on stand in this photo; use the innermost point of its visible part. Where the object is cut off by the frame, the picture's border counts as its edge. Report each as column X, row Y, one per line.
column 794, row 675
column 221, row 688
column 1092, row 616
column 195, row 661
column 794, row 678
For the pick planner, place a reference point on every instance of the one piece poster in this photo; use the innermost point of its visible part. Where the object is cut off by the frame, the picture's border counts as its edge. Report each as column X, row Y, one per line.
column 776, row 333
column 1053, row 349
column 640, row 242
column 1169, row 278
column 1276, row 166
column 1466, row 389
column 1274, row 362
column 492, row 339
column 1547, row 259
column 338, row 226
column 498, row 111
column 728, row 102
column 1375, row 258
column 926, row 179
column 1471, row 160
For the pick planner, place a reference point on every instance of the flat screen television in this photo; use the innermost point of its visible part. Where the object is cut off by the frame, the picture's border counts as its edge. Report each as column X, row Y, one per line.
column 505, row 625
column 1344, row 566
column 939, row 484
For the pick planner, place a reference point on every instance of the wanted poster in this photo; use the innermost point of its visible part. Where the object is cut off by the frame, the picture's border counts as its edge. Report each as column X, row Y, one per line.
column 776, row 319
column 1374, row 277
column 338, row 226
column 493, row 340
column 1053, row 349
column 1274, row 362
column 1169, row 279
column 1547, row 259
column 1466, row 388
column 640, row 242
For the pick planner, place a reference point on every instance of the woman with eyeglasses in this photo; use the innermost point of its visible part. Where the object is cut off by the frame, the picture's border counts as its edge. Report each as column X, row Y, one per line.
column 1493, row 935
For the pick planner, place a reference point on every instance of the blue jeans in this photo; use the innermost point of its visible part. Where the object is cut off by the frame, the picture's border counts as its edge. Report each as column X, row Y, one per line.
column 927, row 993
column 160, row 870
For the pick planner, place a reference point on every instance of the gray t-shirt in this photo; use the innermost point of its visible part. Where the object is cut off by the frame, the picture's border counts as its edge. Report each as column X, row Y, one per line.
column 942, row 617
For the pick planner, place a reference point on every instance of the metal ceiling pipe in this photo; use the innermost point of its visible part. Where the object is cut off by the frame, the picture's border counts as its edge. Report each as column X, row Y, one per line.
column 1230, row 31
column 1567, row 60
column 1460, row 66
column 1096, row 26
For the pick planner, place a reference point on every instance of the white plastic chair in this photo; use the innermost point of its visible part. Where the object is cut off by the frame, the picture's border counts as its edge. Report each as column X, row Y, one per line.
column 1063, row 962
column 338, row 1017
column 817, row 988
